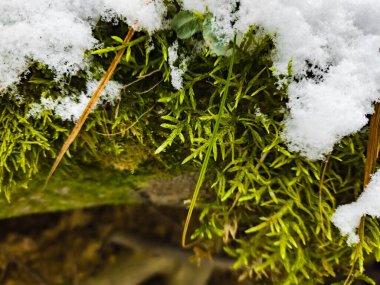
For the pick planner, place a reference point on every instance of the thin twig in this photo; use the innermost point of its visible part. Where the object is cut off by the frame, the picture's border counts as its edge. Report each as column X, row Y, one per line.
column 321, row 182
column 93, row 100
column 372, row 155
column 151, row 88
column 370, row 164
column 139, row 78
column 373, row 144
column 209, row 150
column 131, row 125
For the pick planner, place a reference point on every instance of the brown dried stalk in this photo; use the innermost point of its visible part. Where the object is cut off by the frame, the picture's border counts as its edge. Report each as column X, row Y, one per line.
column 370, row 164
column 373, row 144
column 93, row 100
column 372, row 154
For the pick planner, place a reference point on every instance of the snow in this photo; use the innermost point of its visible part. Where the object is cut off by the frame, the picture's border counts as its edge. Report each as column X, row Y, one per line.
column 337, row 41
column 70, row 108
column 58, row 32
column 176, row 71
column 141, row 14
column 347, row 217
column 223, row 12
column 196, row 5
column 33, row 30
column 320, row 36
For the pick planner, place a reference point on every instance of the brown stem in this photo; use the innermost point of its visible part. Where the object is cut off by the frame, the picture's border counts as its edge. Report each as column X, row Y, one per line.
column 372, row 154
column 93, row 100
column 321, row 184
column 370, row 164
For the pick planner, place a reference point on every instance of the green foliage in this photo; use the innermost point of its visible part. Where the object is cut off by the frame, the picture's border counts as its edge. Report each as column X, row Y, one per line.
column 217, row 43
column 23, row 145
column 211, row 145
column 271, row 208
column 186, row 24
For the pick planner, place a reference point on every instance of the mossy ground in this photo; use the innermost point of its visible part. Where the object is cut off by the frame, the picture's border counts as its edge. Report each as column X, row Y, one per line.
column 82, row 188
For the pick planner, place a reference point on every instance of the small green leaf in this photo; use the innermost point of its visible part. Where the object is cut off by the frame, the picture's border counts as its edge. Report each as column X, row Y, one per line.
column 128, row 54
column 117, row 39
column 169, row 140
column 328, row 267
column 104, row 50
column 169, row 126
column 41, row 81
column 217, row 43
column 186, row 24
column 256, row 228
column 366, row 279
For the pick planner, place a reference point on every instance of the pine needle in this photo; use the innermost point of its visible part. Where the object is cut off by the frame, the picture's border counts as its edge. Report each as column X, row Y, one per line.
column 93, row 100
column 372, row 154
column 321, row 184
column 370, row 164
column 373, row 144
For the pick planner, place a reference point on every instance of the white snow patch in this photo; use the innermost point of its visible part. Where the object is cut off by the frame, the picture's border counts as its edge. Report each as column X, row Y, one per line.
column 176, row 72
column 41, row 31
column 70, row 108
column 347, row 217
column 196, row 5
column 141, row 14
column 223, row 12
column 339, row 42
column 57, row 33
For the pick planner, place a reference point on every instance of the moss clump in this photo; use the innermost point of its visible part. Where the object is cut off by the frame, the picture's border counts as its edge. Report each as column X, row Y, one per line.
column 270, row 207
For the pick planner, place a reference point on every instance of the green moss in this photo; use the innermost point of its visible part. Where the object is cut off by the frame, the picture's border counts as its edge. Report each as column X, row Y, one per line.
column 271, row 207
column 84, row 187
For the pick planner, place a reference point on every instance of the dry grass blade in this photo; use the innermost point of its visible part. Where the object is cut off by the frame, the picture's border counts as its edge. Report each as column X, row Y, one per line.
column 93, row 100
column 370, row 164
column 373, row 144
column 321, row 184
column 212, row 143
column 372, row 153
